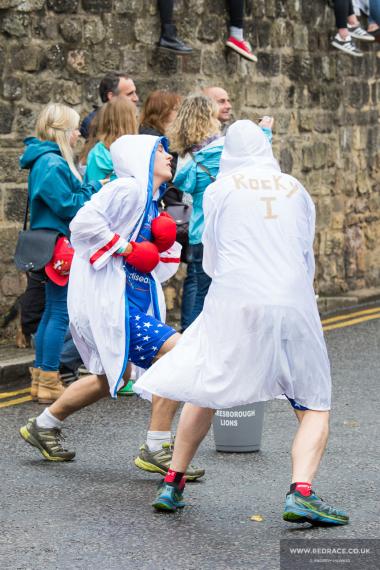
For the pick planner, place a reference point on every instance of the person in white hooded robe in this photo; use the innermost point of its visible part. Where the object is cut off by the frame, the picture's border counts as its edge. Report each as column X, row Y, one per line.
column 123, row 250
column 259, row 336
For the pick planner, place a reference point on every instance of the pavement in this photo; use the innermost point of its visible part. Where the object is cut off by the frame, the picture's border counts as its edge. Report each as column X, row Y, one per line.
column 94, row 513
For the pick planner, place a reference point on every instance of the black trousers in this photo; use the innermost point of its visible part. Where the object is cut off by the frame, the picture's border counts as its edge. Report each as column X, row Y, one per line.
column 32, row 303
column 342, row 9
column 235, row 7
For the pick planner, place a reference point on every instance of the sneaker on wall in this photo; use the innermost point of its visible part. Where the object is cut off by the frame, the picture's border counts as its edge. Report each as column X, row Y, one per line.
column 346, row 45
column 241, row 47
column 359, row 33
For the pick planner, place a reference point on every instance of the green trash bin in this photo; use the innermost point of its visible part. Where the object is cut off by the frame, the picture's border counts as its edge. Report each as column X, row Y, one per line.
column 239, row 429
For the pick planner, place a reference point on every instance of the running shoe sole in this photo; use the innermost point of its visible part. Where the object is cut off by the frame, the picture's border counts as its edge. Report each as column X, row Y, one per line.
column 312, row 517
column 28, row 437
column 250, row 57
column 145, row 466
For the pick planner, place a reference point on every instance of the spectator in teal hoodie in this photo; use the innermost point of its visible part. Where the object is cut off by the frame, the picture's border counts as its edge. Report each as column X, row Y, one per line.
column 116, row 118
column 196, row 137
column 56, row 193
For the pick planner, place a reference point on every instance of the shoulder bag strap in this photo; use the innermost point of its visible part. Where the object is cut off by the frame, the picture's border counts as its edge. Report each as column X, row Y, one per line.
column 26, row 212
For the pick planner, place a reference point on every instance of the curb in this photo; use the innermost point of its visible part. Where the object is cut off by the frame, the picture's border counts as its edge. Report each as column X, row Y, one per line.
column 14, row 365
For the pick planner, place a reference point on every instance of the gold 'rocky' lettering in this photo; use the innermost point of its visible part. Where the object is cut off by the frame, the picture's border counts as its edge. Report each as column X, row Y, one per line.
column 239, row 181
column 269, row 215
column 253, row 183
column 266, row 185
column 277, row 183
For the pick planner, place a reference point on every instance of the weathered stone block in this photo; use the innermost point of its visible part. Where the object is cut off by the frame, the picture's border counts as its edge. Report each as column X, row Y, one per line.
column 257, row 95
column 207, row 31
column 134, row 7
column 134, row 61
column 93, row 32
column 268, row 64
column 12, row 284
column 39, row 91
column 15, row 24
column 56, row 57
column 71, row 30
column 15, row 204
column 30, row 5
column 79, row 61
column 63, row 6
column 7, row 115
column 71, row 92
column 97, row 6
column 9, row 166
column 30, row 58
column 26, row 119
column 12, row 88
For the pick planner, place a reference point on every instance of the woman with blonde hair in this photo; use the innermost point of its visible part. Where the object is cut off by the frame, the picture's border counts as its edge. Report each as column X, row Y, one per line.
column 195, row 135
column 116, row 118
column 56, row 193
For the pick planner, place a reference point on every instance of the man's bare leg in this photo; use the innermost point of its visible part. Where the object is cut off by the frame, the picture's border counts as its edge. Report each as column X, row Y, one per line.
column 81, row 393
column 309, row 444
column 302, row 505
column 193, row 427
column 156, row 456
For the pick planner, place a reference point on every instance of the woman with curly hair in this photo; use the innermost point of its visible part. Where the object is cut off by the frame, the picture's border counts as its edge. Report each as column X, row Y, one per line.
column 195, row 135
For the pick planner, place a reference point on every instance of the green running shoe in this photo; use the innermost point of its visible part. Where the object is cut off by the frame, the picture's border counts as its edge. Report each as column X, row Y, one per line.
column 159, row 461
column 126, row 390
column 169, row 498
column 47, row 441
column 312, row 509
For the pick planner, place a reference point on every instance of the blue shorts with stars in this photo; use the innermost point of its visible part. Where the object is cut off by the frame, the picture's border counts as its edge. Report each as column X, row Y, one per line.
column 147, row 335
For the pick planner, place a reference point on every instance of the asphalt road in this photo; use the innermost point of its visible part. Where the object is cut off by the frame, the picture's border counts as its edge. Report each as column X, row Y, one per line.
column 95, row 513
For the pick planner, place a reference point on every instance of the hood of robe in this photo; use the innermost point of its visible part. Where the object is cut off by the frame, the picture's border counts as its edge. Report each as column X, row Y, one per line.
column 245, row 146
column 133, row 157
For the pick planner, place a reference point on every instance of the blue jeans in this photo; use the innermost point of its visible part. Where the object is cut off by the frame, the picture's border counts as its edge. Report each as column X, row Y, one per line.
column 188, row 296
column 202, row 280
column 52, row 328
column 70, row 356
column 374, row 12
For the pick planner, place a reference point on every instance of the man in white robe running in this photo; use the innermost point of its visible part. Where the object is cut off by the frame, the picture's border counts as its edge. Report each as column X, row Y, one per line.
column 259, row 335
column 123, row 251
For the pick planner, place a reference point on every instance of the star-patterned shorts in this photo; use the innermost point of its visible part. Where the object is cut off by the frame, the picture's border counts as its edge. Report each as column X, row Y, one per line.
column 147, row 335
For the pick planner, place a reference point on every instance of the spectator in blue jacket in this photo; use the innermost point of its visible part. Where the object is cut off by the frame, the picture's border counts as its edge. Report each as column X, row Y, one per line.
column 196, row 137
column 56, row 193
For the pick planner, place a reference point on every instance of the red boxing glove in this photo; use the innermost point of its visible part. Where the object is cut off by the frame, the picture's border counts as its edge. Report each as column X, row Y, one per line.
column 164, row 231
column 144, row 256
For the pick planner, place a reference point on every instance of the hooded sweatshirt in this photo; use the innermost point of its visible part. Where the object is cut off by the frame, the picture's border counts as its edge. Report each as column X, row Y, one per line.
column 55, row 194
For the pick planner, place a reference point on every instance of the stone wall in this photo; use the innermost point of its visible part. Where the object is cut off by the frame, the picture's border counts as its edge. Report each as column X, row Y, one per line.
column 326, row 104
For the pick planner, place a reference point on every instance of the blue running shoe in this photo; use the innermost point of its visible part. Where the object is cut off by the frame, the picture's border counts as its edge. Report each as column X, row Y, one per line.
column 169, row 498
column 311, row 509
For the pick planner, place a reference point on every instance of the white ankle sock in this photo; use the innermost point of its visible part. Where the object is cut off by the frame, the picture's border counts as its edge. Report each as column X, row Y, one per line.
column 155, row 439
column 47, row 420
column 236, row 33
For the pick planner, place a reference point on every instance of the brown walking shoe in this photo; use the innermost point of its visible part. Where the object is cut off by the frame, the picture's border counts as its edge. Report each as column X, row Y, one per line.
column 50, row 387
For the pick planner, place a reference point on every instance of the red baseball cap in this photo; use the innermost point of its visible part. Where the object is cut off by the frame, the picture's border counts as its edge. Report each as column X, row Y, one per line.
column 58, row 268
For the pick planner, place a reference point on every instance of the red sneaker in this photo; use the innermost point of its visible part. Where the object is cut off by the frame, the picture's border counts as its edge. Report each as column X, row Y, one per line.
column 242, row 47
